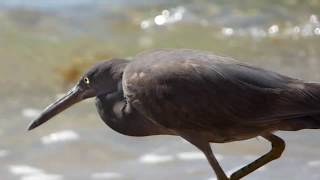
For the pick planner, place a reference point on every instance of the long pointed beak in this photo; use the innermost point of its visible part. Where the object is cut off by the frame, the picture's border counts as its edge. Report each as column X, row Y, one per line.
column 73, row 96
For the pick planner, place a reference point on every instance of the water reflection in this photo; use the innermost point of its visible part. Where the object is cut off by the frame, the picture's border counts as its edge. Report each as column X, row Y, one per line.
column 106, row 175
column 61, row 136
column 24, row 170
column 31, row 173
column 42, row 177
column 187, row 156
column 166, row 17
column 155, row 158
column 30, row 113
column 310, row 28
column 3, row 153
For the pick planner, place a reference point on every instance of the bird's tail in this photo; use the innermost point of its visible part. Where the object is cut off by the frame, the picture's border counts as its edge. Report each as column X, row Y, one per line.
column 307, row 122
column 307, row 100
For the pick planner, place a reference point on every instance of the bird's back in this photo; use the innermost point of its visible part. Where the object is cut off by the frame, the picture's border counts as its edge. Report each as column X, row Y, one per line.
column 187, row 89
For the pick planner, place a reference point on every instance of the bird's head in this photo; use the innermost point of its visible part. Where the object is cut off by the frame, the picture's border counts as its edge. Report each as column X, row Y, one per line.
column 102, row 78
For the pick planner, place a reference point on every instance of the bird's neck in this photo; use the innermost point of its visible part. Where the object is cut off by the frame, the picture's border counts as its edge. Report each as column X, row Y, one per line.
column 113, row 110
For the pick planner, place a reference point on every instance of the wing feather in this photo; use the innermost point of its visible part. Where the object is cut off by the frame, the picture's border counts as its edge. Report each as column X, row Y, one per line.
column 190, row 89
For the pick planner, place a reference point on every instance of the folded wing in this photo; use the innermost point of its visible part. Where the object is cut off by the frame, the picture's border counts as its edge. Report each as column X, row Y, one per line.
column 190, row 89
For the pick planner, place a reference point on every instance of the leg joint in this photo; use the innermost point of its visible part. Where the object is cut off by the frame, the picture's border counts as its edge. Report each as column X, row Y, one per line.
column 278, row 145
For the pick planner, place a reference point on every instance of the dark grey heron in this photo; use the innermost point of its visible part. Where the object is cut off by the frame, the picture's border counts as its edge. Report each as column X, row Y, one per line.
column 199, row 96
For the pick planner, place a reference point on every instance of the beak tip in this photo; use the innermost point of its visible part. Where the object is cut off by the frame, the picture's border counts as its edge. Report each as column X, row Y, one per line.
column 72, row 97
column 29, row 128
column 32, row 125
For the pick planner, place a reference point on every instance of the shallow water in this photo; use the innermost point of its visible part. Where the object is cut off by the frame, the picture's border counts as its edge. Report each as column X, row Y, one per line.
column 38, row 39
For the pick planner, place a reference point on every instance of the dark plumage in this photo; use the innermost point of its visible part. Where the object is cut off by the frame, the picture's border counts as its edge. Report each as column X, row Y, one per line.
column 199, row 96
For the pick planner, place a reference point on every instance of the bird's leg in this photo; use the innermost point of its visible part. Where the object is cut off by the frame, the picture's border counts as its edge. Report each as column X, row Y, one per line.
column 204, row 146
column 278, row 146
column 214, row 163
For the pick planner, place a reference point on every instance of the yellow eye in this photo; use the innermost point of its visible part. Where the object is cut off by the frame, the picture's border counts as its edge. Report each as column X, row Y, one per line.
column 86, row 80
